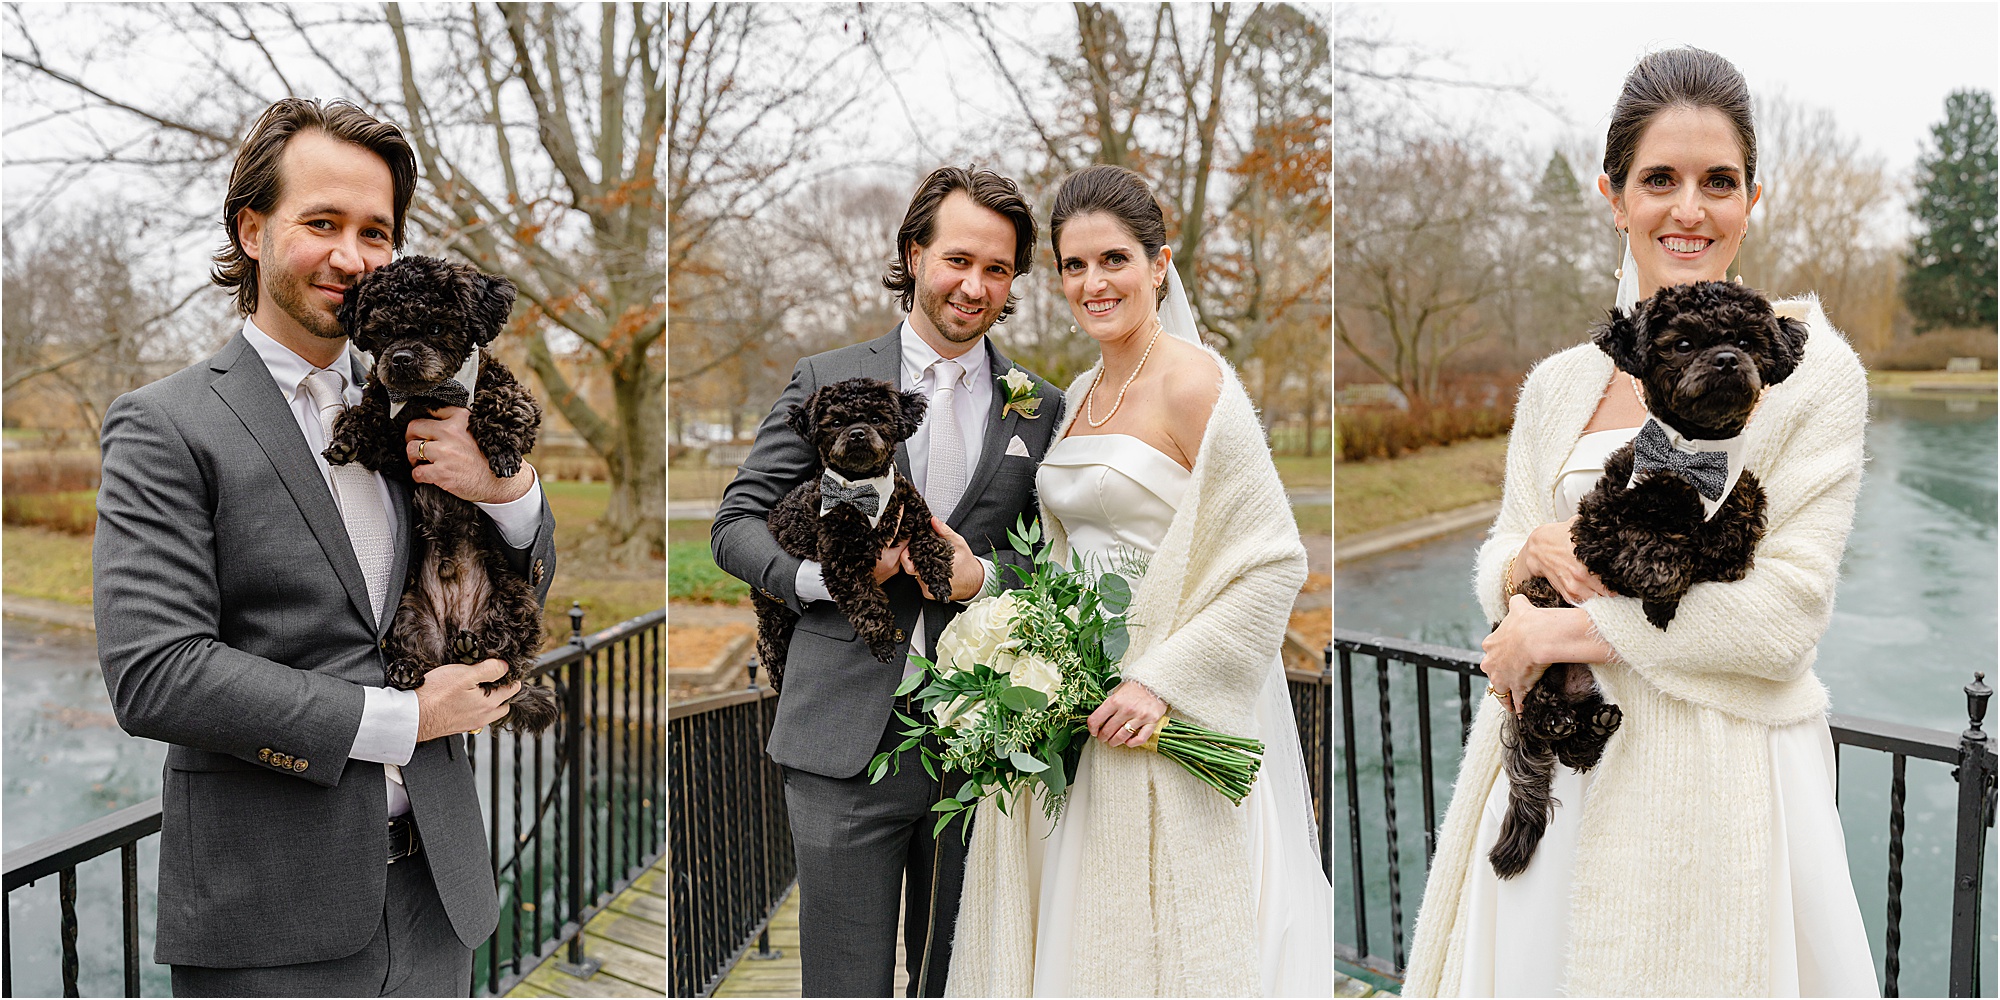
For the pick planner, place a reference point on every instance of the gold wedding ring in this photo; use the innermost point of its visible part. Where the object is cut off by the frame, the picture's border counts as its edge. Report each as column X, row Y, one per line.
column 421, row 458
column 476, row 732
column 1497, row 693
column 1130, row 728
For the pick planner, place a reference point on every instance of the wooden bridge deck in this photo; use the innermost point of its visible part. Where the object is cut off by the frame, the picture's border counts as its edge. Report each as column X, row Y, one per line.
column 779, row 977
column 629, row 936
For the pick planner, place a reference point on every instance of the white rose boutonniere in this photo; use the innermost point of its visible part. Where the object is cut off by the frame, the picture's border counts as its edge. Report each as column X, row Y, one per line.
column 1020, row 391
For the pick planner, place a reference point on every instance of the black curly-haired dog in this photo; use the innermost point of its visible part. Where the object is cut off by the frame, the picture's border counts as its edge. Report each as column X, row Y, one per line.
column 843, row 519
column 1703, row 354
column 425, row 321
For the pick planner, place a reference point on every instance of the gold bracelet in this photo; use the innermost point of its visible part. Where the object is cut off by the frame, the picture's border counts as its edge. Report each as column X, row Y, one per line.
column 1507, row 578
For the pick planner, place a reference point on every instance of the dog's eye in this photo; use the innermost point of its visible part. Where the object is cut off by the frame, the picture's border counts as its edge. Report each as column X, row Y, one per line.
column 1683, row 345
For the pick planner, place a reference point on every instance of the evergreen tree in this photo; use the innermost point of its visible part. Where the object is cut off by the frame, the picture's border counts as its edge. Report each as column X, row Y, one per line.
column 1950, row 279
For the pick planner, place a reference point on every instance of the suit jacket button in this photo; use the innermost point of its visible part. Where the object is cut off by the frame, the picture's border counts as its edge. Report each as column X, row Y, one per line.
column 900, row 637
column 299, row 765
column 264, row 755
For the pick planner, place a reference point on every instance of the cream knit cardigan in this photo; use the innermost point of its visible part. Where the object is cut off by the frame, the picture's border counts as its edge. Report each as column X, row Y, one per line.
column 1164, row 908
column 1670, row 893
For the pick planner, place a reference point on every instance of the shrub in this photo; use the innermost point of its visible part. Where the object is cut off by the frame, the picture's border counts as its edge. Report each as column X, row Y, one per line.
column 72, row 512
column 1929, row 352
column 47, row 471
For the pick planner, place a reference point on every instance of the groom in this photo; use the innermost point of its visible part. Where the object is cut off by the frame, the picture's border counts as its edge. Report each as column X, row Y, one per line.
column 864, row 847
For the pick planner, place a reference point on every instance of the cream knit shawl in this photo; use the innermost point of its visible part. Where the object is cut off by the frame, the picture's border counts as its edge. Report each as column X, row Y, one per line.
column 1670, row 894
column 1164, row 908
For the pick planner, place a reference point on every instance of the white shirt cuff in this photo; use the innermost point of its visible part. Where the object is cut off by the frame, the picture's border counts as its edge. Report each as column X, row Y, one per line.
column 520, row 518
column 388, row 733
column 990, row 585
column 809, row 584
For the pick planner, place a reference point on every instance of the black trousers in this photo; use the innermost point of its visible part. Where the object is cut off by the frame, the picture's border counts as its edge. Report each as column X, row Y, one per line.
column 414, row 953
column 862, row 849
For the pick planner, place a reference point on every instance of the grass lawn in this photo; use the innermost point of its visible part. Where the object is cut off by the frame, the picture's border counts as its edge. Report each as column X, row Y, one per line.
column 1314, row 519
column 1380, row 493
column 1305, row 472
column 50, row 565
column 1937, row 385
column 692, row 575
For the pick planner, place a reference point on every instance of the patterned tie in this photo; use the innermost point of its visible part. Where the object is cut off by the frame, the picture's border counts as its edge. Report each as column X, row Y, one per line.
column 355, row 492
column 944, row 481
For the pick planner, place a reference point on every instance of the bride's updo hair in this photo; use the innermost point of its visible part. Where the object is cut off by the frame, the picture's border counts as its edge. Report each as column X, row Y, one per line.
column 1685, row 78
column 1119, row 193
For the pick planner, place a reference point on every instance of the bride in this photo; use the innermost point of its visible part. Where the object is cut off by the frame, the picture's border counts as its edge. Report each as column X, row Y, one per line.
column 1150, row 883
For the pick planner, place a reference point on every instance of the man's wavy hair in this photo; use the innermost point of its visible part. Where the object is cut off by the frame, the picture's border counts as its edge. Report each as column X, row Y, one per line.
column 257, row 180
column 985, row 187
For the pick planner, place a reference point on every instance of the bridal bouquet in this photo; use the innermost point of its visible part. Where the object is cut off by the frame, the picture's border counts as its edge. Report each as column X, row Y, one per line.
column 1015, row 681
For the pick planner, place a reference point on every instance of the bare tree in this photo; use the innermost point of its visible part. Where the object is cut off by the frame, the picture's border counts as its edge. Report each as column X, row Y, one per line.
column 538, row 132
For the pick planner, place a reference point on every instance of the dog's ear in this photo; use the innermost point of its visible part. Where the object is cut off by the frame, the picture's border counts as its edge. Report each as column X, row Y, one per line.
column 493, row 300
column 801, row 417
column 1623, row 337
column 351, row 313
column 1788, row 346
column 914, row 405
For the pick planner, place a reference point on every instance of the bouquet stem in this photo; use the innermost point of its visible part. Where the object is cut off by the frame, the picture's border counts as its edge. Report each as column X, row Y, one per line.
column 1225, row 763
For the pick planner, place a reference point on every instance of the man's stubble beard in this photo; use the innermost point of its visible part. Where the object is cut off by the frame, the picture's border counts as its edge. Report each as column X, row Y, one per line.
column 293, row 294
column 933, row 306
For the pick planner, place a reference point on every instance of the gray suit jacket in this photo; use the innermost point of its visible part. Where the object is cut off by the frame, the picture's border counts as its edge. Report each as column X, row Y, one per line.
column 837, row 695
column 233, row 624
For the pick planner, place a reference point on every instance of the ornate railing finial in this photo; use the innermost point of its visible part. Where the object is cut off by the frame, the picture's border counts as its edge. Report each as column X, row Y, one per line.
column 1976, row 695
column 576, row 623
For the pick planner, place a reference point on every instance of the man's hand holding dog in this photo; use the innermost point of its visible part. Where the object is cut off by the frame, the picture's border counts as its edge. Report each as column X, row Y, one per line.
column 968, row 576
column 451, row 700
column 442, row 453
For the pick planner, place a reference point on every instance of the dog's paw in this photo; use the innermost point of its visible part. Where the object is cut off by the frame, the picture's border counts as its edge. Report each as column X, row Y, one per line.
column 341, row 452
column 404, row 675
column 1606, row 720
column 466, row 647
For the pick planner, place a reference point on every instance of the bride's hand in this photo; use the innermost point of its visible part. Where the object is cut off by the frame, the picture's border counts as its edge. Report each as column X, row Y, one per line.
column 1130, row 705
column 1550, row 554
column 1511, row 664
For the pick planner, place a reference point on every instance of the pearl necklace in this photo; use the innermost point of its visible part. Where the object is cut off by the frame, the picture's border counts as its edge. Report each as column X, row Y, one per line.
column 1089, row 416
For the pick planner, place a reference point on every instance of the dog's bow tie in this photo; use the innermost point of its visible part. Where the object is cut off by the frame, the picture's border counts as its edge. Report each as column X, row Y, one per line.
column 455, row 390
column 1709, row 466
column 864, row 495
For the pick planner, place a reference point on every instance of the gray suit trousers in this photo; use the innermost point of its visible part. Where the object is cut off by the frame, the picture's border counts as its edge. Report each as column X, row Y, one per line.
column 855, row 844
column 414, row 953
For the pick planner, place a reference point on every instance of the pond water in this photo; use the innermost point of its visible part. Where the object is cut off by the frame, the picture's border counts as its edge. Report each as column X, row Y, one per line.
column 1916, row 612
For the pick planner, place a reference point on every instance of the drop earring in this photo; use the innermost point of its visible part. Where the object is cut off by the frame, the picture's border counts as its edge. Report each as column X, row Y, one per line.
column 1620, row 272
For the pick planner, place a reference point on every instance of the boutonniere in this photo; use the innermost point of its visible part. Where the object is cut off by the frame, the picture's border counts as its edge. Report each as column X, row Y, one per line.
column 1020, row 390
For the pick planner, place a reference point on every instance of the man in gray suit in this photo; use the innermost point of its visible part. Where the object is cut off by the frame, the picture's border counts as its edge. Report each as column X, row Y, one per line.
column 861, row 847
column 320, row 834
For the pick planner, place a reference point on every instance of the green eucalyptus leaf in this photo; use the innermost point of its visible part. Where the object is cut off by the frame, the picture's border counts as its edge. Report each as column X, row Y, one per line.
column 1022, row 699
column 1116, row 642
column 938, row 830
column 947, row 805
column 1025, row 763
column 1054, row 779
column 1114, row 592
column 968, row 791
column 911, row 683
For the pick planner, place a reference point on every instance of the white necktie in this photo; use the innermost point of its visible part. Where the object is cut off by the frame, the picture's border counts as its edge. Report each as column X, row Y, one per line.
column 355, row 492
column 944, row 482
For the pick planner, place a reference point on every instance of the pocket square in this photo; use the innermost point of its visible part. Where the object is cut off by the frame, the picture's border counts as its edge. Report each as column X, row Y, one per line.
column 1015, row 447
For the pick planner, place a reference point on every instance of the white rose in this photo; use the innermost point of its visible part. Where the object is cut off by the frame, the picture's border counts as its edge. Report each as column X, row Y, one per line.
column 980, row 634
column 1017, row 381
column 1037, row 674
column 968, row 720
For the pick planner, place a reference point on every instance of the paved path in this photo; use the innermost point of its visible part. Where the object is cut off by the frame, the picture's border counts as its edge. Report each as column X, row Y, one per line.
column 52, row 612
column 1422, row 529
column 629, row 937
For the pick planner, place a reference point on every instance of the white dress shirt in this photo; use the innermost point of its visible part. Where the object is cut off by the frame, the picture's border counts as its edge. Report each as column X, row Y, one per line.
column 971, row 402
column 388, row 733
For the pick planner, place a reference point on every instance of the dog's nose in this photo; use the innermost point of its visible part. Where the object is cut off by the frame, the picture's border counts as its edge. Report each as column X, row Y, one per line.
column 1726, row 359
column 403, row 357
column 858, row 433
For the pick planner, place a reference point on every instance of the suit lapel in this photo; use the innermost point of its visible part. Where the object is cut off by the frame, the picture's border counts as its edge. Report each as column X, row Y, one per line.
column 999, row 430
column 885, row 362
column 246, row 387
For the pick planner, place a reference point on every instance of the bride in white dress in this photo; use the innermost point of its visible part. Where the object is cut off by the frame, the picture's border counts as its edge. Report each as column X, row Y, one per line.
column 1150, row 883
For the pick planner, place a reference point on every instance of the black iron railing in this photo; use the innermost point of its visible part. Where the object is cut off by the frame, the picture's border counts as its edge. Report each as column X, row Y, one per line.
column 585, row 816
column 729, row 857
column 1971, row 755
column 1312, row 710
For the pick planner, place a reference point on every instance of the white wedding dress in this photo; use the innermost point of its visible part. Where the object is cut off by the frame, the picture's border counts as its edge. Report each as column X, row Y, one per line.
column 1518, row 935
column 1115, row 496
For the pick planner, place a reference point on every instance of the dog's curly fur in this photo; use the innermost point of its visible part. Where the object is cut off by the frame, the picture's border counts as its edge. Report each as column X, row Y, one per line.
column 421, row 317
column 1703, row 352
column 854, row 427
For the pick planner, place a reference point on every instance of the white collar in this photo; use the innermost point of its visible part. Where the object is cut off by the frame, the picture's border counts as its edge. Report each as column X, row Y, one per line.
column 885, row 487
column 467, row 376
column 287, row 368
column 1733, row 447
column 918, row 357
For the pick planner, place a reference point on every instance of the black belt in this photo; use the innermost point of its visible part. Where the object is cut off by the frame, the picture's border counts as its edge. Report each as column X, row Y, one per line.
column 403, row 840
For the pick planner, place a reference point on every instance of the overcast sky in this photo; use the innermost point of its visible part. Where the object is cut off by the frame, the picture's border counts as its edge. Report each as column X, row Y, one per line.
column 1882, row 69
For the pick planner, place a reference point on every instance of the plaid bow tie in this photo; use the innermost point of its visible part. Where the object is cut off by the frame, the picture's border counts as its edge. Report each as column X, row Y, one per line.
column 1707, row 471
column 863, row 497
